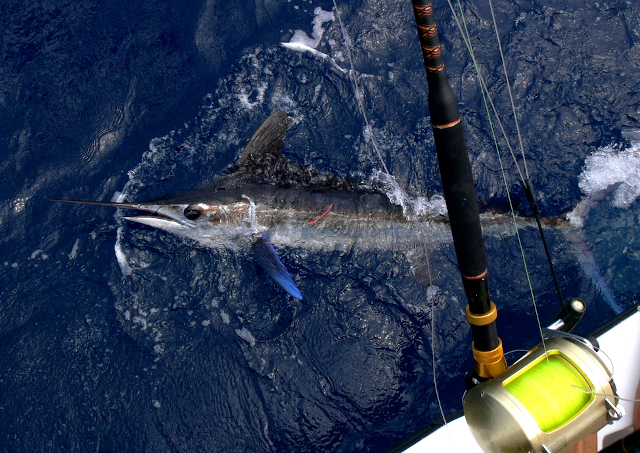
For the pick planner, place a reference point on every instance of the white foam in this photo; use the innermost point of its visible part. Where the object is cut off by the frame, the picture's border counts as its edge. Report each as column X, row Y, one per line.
column 118, row 197
column 413, row 207
column 301, row 47
column 302, row 40
column 225, row 317
column 246, row 336
column 431, row 207
column 141, row 321
column 609, row 169
column 244, row 96
column 74, row 250
column 121, row 256
column 19, row 204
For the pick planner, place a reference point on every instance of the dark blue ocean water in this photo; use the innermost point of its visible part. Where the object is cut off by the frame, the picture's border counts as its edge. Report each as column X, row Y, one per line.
column 116, row 337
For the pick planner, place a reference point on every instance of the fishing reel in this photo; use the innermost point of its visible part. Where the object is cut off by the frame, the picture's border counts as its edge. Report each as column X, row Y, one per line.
column 557, row 394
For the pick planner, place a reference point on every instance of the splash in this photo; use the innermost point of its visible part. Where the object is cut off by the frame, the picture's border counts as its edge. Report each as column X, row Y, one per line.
column 413, row 207
column 609, row 167
column 608, row 172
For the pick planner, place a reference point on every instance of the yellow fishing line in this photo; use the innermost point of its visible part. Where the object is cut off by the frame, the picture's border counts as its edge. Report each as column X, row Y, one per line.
column 546, row 391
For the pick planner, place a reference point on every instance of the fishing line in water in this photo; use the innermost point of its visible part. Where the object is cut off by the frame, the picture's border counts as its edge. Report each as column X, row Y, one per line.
column 467, row 39
column 432, row 310
column 483, row 87
column 528, row 185
column 526, row 182
column 506, row 75
column 374, row 142
column 356, row 88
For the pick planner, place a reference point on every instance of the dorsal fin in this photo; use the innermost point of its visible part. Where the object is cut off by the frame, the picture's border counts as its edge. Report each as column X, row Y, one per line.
column 264, row 148
column 262, row 162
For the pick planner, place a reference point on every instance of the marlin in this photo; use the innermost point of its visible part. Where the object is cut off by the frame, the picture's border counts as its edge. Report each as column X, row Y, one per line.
column 267, row 199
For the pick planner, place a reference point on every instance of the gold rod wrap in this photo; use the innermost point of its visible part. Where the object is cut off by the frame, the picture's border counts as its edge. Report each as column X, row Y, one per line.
column 489, row 364
column 445, row 126
column 426, row 31
column 431, row 52
column 483, row 319
column 435, row 68
column 477, row 277
column 423, row 11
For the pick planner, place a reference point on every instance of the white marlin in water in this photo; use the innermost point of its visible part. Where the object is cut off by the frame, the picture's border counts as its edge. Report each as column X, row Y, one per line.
column 267, row 199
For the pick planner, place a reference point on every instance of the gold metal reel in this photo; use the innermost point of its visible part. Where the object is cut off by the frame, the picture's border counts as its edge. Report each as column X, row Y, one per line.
column 543, row 403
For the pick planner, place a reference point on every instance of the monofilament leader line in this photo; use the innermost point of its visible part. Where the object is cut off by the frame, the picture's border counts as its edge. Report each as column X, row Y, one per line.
column 591, row 392
column 374, row 142
column 433, row 343
column 528, row 185
column 356, row 88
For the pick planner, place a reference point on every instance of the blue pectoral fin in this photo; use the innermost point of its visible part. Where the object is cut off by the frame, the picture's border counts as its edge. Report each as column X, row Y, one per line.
column 268, row 258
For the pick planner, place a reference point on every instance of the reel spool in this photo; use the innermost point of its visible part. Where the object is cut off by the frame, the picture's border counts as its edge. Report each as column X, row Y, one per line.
column 535, row 406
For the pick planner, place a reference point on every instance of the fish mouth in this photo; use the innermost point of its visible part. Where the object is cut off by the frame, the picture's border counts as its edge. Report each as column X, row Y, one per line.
column 159, row 221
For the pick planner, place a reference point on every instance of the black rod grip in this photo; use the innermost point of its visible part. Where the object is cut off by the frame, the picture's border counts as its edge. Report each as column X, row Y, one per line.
column 453, row 157
column 457, row 178
column 462, row 203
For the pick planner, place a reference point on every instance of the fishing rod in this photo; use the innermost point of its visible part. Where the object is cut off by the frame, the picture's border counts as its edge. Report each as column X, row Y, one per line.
column 561, row 390
column 461, row 199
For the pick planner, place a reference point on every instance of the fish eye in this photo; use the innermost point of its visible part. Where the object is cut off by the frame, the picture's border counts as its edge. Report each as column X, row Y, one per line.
column 192, row 212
